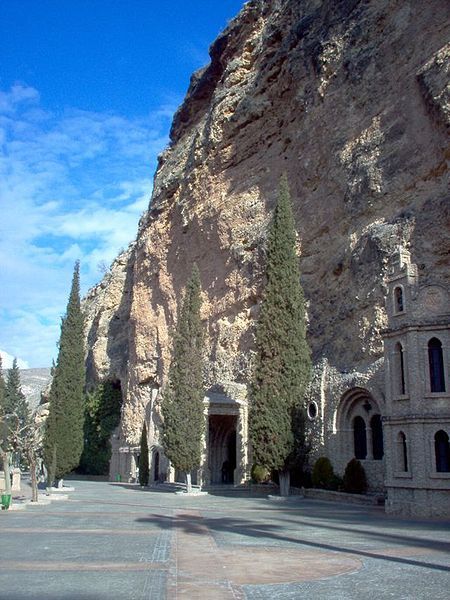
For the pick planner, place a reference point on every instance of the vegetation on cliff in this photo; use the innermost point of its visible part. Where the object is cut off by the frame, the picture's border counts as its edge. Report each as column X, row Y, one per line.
column 182, row 406
column 283, row 363
column 102, row 416
column 63, row 441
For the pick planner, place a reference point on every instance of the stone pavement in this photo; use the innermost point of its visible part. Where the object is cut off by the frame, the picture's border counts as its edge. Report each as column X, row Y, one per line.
column 117, row 541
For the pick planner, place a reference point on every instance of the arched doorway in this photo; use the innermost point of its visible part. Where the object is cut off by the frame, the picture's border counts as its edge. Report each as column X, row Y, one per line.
column 359, row 433
column 222, row 448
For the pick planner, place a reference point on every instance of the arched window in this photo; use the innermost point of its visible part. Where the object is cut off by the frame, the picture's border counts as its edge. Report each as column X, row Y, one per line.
column 377, row 437
column 359, row 437
column 402, row 452
column 436, row 364
column 442, row 451
column 398, row 300
column 400, row 369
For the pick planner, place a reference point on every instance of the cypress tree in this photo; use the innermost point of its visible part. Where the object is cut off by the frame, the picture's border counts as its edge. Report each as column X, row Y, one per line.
column 144, row 470
column 63, row 440
column 282, row 366
column 182, row 406
column 4, row 441
column 14, row 400
column 16, row 406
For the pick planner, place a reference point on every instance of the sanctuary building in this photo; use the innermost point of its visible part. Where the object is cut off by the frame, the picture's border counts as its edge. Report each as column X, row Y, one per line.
column 394, row 416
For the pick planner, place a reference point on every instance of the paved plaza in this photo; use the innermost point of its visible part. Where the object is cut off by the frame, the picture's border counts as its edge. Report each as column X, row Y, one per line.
column 116, row 541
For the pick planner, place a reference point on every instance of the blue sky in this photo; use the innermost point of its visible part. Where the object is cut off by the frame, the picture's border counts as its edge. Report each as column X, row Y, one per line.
column 88, row 89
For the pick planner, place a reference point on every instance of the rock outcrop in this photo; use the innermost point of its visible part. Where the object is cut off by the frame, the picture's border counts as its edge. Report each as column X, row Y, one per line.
column 351, row 99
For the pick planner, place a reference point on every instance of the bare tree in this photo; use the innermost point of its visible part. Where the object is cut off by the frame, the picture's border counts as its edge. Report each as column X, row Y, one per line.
column 5, row 455
column 25, row 437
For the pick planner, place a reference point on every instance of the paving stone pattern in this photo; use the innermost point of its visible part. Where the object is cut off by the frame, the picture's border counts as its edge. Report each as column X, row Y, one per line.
column 114, row 541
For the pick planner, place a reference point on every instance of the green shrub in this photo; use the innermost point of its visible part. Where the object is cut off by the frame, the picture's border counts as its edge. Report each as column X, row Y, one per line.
column 322, row 474
column 259, row 474
column 337, row 483
column 355, row 481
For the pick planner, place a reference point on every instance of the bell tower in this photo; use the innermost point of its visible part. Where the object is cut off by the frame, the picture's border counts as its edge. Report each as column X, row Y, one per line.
column 417, row 416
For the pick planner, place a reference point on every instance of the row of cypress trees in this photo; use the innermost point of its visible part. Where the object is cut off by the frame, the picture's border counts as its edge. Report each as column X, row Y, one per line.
column 281, row 373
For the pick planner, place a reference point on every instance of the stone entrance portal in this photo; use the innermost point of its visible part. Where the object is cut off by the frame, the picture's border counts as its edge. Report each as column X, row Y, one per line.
column 225, row 458
column 222, row 448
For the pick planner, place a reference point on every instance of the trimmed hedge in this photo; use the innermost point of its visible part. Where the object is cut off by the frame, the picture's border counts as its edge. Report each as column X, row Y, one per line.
column 323, row 474
column 259, row 474
column 355, row 481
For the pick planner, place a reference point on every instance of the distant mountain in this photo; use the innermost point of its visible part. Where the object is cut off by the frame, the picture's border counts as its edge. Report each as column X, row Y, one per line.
column 33, row 382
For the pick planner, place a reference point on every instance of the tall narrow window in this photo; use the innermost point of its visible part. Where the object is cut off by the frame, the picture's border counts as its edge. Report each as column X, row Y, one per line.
column 359, row 437
column 377, row 437
column 442, row 451
column 156, row 466
column 436, row 364
column 400, row 369
column 402, row 452
column 398, row 300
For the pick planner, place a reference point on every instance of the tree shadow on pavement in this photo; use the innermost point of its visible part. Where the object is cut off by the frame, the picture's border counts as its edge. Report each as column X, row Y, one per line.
column 198, row 525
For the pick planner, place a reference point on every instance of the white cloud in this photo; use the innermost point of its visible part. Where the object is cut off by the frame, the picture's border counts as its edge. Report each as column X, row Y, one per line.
column 72, row 185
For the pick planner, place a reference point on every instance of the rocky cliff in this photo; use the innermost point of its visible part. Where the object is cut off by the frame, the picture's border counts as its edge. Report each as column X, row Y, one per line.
column 352, row 100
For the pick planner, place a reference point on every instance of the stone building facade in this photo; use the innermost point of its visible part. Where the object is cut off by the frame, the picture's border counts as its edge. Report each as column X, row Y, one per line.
column 394, row 416
column 417, row 411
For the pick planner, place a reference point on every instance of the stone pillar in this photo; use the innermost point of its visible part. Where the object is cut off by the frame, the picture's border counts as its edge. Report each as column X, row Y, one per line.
column 241, row 471
column 133, row 466
column 205, row 472
column 369, row 442
column 345, row 452
column 2, row 481
column 15, row 486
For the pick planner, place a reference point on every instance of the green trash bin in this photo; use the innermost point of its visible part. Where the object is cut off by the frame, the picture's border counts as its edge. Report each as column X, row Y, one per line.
column 118, row 477
column 6, row 501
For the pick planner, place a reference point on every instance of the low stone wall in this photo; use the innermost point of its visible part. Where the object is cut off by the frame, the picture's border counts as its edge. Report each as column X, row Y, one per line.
column 15, row 480
column 421, row 503
column 370, row 499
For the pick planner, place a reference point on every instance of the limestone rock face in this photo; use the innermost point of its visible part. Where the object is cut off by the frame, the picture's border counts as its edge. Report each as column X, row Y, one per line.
column 107, row 311
column 351, row 99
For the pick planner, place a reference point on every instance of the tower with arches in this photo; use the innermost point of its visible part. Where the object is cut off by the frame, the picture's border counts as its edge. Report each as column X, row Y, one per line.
column 416, row 422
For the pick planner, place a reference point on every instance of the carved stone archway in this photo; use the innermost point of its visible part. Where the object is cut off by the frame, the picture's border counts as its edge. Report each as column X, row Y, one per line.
column 226, row 439
column 358, row 425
